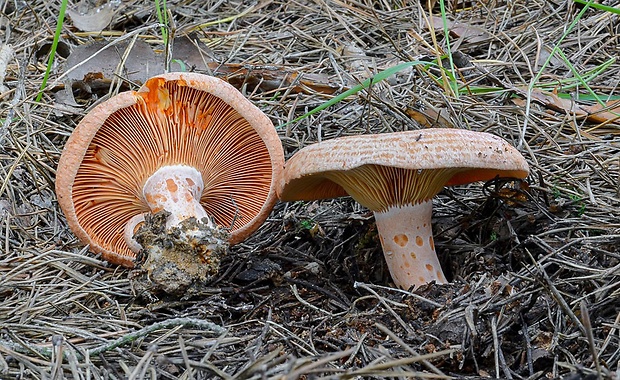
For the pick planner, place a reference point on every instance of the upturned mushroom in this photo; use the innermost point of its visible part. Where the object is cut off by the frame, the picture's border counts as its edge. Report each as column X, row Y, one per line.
column 173, row 172
column 396, row 175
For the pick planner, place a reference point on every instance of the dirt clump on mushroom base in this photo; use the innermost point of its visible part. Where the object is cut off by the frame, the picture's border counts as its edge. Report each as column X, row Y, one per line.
column 177, row 260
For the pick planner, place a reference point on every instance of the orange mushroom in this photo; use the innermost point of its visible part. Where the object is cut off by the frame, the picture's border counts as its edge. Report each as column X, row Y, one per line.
column 396, row 175
column 185, row 144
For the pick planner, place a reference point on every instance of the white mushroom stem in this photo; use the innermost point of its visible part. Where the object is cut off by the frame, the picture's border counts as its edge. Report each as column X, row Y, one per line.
column 176, row 189
column 407, row 240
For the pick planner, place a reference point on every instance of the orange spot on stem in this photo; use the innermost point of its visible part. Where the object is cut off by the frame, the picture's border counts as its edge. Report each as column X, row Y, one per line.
column 171, row 185
column 401, row 240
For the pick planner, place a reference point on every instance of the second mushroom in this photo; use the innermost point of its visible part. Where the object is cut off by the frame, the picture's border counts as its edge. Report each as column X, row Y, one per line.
column 171, row 173
column 396, row 176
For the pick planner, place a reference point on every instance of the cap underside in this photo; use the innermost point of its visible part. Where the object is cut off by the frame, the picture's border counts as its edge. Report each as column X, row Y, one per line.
column 183, row 126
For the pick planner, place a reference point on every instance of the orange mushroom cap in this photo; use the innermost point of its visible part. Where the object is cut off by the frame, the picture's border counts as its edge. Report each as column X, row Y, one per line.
column 173, row 119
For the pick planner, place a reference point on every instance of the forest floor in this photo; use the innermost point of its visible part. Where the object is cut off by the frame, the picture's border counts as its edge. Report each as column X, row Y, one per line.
column 534, row 266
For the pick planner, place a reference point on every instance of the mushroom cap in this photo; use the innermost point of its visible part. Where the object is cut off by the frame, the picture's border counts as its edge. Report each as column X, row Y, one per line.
column 378, row 169
column 176, row 118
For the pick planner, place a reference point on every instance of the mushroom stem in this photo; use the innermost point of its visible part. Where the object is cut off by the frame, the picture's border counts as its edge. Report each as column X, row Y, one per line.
column 407, row 239
column 177, row 246
column 176, row 189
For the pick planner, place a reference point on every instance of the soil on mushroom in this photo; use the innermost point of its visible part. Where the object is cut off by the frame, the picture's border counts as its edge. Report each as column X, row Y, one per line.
column 534, row 265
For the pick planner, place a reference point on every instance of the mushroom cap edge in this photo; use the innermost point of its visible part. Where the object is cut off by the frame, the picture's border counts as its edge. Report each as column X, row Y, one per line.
column 486, row 157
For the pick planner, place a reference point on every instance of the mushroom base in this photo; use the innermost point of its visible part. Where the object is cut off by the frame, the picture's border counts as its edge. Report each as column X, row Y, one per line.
column 407, row 239
column 177, row 260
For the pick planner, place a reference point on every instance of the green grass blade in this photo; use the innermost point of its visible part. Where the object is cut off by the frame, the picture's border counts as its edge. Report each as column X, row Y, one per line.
column 50, row 60
column 587, row 77
column 446, row 34
column 162, row 17
column 536, row 78
column 354, row 90
column 601, row 7
column 581, row 80
column 568, row 30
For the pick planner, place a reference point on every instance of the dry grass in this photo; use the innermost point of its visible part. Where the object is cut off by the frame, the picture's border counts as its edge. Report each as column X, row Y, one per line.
column 536, row 279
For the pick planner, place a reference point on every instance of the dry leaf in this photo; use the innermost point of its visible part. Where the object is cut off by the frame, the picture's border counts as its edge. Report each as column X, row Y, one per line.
column 544, row 54
column 141, row 63
column 90, row 69
column 269, row 78
column 63, row 49
column 471, row 34
column 92, row 75
column 597, row 113
column 191, row 52
column 430, row 117
column 196, row 56
column 554, row 102
column 357, row 62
